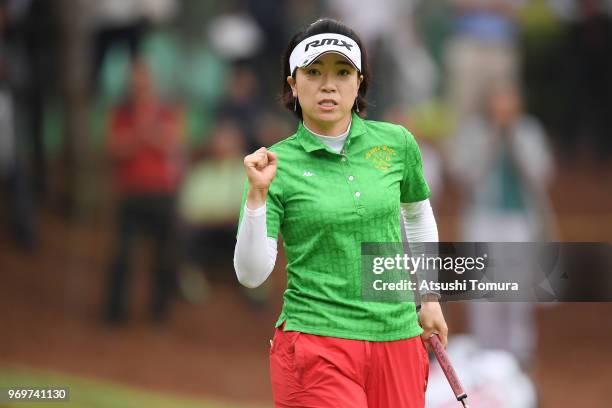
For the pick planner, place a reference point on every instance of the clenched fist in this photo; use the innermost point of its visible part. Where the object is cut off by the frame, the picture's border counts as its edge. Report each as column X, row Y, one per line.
column 261, row 169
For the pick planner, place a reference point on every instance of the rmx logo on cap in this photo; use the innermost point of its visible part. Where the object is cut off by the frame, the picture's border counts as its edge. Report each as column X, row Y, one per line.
column 311, row 48
column 328, row 41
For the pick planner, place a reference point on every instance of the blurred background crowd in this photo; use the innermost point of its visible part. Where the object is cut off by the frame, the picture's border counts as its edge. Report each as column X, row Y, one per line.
column 123, row 125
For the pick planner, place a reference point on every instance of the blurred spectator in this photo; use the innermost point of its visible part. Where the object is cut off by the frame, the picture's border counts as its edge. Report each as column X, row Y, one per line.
column 504, row 164
column 124, row 22
column 19, row 201
column 242, row 103
column 481, row 51
column 271, row 18
column 208, row 201
column 588, row 82
column 27, row 62
column 31, row 29
column 145, row 141
column 207, row 198
column 208, row 206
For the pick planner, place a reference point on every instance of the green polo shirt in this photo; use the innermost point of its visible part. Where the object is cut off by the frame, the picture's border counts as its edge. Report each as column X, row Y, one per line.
column 325, row 205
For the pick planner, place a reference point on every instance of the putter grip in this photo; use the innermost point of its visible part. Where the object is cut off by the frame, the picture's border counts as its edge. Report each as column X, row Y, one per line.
column 448, row 369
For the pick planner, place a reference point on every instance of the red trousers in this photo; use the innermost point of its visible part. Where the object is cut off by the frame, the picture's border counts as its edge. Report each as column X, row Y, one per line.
column 310, row 371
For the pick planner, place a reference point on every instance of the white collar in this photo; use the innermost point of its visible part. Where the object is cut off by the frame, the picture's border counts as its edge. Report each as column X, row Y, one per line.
column 339, row 137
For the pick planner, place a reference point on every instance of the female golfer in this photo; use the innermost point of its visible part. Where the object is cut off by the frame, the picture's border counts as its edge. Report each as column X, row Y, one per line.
column 337, row 182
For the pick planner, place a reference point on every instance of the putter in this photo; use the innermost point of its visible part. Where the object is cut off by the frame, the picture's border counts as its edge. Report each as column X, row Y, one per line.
column 448, row 369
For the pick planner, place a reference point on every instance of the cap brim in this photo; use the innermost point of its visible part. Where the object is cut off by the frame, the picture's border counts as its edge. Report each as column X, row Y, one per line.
column 313, row 59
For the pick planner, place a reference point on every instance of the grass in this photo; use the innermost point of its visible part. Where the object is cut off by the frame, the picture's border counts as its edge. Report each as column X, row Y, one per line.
column 88, row 393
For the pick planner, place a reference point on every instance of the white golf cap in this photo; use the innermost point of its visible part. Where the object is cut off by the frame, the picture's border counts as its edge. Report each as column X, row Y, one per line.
column 311, row 48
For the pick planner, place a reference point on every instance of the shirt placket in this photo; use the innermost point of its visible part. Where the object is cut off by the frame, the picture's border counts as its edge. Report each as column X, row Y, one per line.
column 351, row 178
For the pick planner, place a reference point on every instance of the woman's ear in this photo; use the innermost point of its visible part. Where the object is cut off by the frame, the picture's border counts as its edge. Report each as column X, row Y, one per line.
column 359, row 81
column 291, row 82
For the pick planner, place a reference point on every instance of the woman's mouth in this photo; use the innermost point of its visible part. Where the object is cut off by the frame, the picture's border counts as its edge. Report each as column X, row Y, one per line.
column 327, row 104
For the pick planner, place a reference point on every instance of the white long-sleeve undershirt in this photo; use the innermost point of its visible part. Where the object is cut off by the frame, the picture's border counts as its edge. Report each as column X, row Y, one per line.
column 255, row 252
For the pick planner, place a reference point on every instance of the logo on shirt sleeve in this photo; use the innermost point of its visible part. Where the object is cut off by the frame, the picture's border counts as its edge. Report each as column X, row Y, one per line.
column 381, row 157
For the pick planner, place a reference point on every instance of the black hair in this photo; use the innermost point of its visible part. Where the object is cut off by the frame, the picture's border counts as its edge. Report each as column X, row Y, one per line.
column 324, row 25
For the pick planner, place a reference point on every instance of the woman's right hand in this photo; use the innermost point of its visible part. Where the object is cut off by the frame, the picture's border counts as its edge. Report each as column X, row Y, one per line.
column 261, row 168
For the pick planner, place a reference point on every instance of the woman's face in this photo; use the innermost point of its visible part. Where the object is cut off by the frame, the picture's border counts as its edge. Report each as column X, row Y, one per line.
column 326, row 90
column 504, row 105
column 141, row 82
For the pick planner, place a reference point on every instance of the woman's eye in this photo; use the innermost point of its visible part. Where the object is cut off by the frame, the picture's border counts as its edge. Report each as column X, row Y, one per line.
column 313, row 71
column 343, row 72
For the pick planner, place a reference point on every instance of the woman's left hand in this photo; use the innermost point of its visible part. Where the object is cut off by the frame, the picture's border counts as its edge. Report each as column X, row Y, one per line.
column 432, row 320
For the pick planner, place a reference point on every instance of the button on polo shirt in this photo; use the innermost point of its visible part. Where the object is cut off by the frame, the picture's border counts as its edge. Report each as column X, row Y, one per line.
column 325, row 204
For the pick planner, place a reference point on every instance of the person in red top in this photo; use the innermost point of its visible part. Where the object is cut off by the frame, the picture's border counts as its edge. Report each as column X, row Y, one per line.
column 145, row 143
